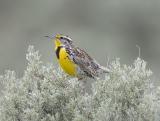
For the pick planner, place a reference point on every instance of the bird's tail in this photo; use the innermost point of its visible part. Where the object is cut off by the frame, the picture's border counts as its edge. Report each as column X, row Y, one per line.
column 104, row 70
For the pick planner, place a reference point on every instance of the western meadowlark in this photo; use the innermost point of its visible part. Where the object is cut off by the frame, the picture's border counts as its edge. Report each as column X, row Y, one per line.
column 75, row 61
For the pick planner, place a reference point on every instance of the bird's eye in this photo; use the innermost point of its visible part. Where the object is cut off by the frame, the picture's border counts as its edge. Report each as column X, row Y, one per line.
column 61, row 37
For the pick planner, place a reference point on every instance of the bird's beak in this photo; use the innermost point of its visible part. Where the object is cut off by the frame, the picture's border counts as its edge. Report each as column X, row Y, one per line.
column 49, row 37
column 55, row 39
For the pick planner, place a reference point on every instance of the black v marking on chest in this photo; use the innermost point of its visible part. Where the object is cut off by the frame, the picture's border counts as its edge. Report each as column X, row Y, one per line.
column 58, row 51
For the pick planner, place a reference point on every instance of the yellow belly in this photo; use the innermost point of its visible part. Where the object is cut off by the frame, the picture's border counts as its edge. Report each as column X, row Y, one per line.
column 67, row 65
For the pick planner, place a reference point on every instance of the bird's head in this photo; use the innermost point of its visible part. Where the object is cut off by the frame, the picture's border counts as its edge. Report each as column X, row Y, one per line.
column 61, row 40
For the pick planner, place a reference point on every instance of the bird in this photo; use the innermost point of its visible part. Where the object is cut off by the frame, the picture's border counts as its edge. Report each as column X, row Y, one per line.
column 75, row 61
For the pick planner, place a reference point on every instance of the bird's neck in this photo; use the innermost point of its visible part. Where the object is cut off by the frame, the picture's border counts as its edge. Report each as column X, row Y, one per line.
column 57, row 43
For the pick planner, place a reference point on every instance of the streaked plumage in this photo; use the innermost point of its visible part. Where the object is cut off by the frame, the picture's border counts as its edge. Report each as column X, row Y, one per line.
column 75, row 61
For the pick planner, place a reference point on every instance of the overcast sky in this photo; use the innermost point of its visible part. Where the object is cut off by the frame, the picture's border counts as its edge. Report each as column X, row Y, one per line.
column 102, row 27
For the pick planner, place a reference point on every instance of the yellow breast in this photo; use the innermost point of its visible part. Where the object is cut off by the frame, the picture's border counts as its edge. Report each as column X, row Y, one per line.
column 67, row 65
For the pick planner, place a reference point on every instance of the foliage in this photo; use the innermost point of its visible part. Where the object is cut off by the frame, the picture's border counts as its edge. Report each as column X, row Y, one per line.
column 45, row 93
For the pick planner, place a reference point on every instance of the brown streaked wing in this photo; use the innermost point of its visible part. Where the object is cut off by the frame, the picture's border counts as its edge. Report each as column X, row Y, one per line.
column 85, row 62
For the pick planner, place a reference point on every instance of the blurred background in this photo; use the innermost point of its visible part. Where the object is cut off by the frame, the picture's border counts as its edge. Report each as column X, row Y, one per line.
column 104, row 28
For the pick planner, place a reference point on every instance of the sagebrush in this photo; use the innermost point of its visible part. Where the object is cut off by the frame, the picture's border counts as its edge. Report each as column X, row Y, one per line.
column 45, row 93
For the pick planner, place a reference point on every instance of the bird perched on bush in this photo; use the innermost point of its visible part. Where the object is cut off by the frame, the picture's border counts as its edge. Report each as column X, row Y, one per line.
column 75, row 61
